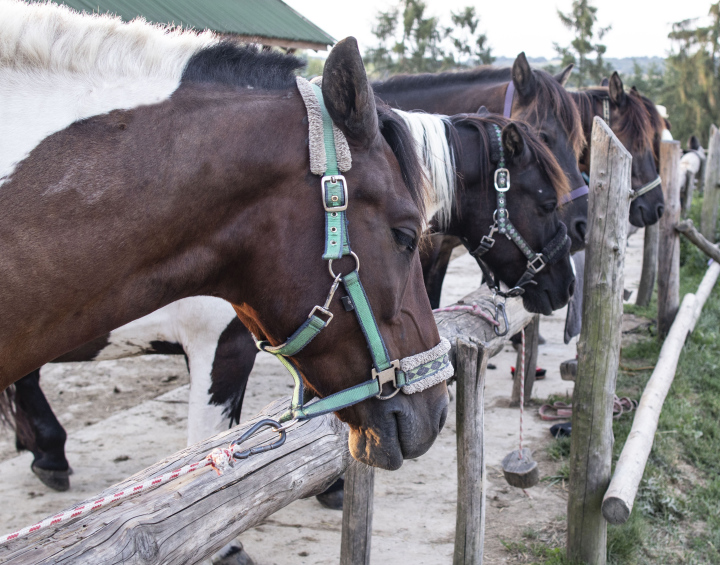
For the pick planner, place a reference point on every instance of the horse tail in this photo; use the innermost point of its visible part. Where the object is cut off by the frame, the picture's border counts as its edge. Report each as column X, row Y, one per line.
column 16, row 419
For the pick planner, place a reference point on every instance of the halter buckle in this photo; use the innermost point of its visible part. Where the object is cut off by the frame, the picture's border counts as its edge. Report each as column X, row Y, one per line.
column 387, row 376
column 502, row 180
column 324, row 311
column 537, row 259
column 334, row 179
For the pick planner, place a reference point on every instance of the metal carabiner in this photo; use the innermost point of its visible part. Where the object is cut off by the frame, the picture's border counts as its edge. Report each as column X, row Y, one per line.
column 500, row 309
column 267, row 422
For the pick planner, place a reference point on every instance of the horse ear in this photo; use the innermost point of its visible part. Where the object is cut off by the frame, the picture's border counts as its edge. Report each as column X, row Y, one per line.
column 523, row 76
column 694, row 143
column 605, row 81
column 347, row 93
column 512, row 140
column 634, row 89
column 617, row 92
column 563, row 76
column 483, row 111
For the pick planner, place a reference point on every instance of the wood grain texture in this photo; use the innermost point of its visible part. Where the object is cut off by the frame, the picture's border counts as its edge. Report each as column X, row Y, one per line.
column 598, row 347
column 471, row 363
column 711, row 188
column 669, row 242
column 620, row 496
column 687, row 228
column 189, row 519
column 649, row 265
column 357, row 514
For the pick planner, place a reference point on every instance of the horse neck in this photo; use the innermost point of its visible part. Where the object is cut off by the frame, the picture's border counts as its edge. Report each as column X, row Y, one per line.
column 58, row 67
column 446, row 98
column 127, row 235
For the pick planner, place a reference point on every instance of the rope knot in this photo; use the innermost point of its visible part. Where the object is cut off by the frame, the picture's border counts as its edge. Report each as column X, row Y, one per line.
column 221, row 459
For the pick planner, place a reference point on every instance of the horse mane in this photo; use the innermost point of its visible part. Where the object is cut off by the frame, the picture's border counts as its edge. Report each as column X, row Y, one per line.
column 53, row 38
column 637, row 123
column 544, row 158
column 435, row 149
column 242, row 65
column 551, row 96
column 657, row 122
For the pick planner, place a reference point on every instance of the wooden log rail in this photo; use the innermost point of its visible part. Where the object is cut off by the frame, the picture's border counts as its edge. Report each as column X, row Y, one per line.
column 620, row 496
column 598, row 347
column 161, row 526
column 711, row 190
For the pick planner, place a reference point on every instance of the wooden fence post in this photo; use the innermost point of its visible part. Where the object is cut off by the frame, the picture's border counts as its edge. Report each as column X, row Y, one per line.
column 599, row 346
column 357, row 514
column 649, row 266
column 711, row 193
column 532, row 337
column 669, row 242
column 470, row 365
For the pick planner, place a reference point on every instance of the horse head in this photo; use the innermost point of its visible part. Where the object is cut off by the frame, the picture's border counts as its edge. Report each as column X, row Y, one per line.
column 542, row 102
column 385, row 222
column 536, row 184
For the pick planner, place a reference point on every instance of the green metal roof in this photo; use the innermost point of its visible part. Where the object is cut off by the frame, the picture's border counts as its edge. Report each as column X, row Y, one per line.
column 251, row 18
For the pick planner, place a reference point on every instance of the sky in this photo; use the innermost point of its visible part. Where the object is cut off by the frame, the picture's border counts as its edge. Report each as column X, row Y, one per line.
column 639, row 27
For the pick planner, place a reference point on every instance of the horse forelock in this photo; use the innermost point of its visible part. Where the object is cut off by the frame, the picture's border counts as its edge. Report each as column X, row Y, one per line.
column 639, row 122
column 543, row 157
column 436, row 153
column 551, row 97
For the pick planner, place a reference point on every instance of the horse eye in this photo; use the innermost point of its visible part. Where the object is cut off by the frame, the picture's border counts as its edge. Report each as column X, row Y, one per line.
column 549, row 207
column 405, row 237
column 544, row 137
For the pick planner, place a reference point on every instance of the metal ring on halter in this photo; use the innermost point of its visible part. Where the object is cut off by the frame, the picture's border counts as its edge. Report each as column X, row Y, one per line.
column 357, row 265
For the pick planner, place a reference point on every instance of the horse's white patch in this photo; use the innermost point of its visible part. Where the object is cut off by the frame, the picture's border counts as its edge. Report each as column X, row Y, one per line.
column 195, row 323
column 430, row 135
column 58, row 66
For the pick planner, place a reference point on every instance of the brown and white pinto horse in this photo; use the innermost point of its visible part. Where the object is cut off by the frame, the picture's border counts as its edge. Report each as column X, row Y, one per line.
column 207, row 191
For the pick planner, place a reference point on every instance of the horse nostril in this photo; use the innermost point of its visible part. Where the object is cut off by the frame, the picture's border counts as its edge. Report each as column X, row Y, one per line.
column 659, row 209
column 572, row 287
column 581, row 228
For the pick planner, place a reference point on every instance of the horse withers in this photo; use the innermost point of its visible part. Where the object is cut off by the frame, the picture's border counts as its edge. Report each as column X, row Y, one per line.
column 208, row 191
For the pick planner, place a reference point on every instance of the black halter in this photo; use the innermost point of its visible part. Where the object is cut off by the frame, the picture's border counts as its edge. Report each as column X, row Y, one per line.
column 558, row 247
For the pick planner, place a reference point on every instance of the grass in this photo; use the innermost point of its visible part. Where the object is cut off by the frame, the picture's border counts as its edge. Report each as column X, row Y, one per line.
column 676, row 517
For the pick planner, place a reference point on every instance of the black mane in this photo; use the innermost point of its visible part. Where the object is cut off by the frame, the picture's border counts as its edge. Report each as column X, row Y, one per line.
column 243, row 66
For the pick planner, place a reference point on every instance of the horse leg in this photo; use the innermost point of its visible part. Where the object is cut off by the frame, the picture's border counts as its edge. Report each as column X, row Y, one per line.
column 39, row 431
column 435, row 258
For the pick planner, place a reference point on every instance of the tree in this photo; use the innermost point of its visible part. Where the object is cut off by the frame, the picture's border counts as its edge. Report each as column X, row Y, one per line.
column 582, row 21
column 411, row 41
column 692, row 92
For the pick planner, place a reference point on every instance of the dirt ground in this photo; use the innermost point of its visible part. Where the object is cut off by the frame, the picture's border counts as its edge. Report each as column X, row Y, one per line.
column 121, row 416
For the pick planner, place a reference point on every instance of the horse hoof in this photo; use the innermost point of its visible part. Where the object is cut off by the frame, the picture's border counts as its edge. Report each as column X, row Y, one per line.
column 333, row 497
column 235, row 555
column 56, row 480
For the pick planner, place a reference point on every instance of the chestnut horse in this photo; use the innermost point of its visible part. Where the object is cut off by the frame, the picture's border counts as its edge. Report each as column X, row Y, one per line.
column 206, row 190
column 638, row 126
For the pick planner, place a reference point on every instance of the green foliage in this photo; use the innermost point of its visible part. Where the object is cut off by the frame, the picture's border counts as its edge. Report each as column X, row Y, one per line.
column 582, row 21
column 693, row 77
column 411, row 41
column 649, row 81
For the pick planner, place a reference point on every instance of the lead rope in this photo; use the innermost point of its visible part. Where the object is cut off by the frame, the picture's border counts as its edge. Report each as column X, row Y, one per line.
column 521, row 368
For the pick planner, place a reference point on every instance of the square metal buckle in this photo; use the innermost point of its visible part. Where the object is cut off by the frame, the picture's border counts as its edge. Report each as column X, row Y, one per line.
column 536, row 269
column 502, row 180
column 387, row 376
column 322, row 310
column 487, row 241
column 335, row 179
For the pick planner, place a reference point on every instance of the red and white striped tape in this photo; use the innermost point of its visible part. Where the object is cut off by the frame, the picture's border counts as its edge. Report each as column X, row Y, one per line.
column 219, row 459
column 474, row 309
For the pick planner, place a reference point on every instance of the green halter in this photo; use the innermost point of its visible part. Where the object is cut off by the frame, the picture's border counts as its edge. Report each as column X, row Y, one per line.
column 404, row 374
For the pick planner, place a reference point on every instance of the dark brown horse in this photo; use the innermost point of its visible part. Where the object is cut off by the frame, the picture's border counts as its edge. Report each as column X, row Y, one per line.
column 638, row 126
column 539, row 99
column 209, row 192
